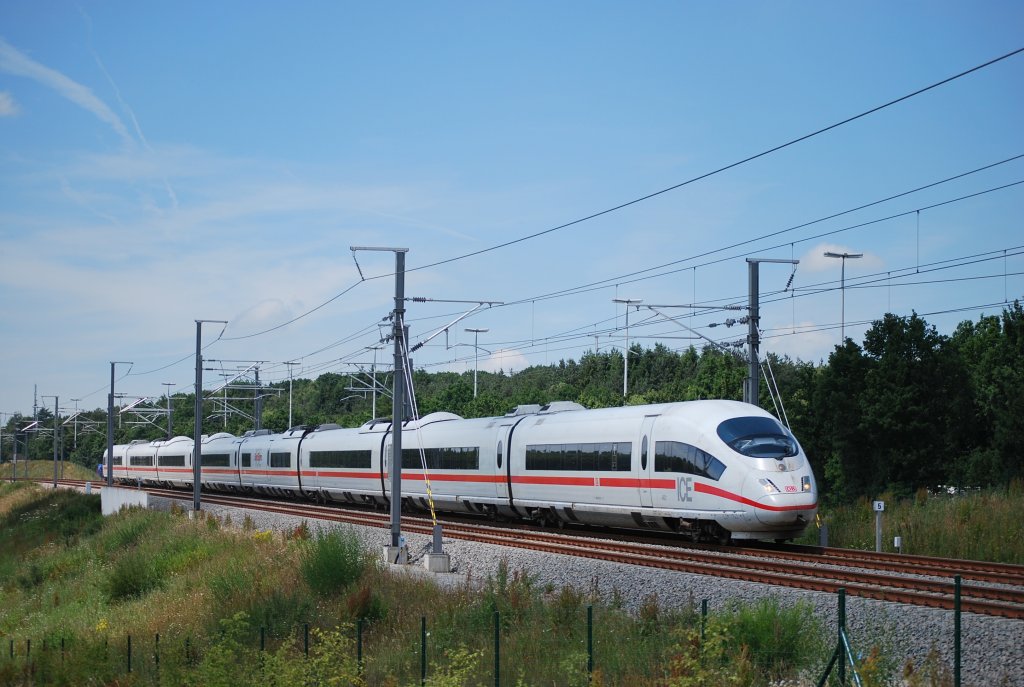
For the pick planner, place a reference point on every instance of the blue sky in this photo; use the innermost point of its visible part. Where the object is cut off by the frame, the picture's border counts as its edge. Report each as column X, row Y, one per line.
column 167, row 162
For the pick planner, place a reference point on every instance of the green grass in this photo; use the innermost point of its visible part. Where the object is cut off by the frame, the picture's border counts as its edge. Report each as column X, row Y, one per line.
column 211, row 592
column 984, row 525
column 332, row 561
column 43, row 469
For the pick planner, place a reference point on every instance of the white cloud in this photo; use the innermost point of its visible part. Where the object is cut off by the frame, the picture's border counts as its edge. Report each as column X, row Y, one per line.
column 510, row 360
column 8, row 107
column 17, row 63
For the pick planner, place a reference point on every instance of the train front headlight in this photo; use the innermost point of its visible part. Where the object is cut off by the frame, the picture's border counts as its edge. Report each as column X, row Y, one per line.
column 805, row 483
column 769, row 486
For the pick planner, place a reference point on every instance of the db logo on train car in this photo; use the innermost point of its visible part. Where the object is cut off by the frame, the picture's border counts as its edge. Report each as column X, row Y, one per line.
column 258, row 457
column 791, row 490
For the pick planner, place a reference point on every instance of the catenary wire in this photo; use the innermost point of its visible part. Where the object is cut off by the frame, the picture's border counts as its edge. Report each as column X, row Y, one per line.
column 724, row 168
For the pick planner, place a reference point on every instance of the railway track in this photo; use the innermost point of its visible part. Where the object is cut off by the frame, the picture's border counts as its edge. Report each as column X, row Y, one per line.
column 917, row 580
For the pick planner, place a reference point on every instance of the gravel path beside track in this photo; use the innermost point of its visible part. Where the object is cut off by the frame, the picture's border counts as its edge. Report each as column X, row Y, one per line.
column 992, row 648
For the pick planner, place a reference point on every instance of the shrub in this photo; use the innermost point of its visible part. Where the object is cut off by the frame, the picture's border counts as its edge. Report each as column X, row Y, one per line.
column 31, row 576
column 365, row 604
column 301, row 532
column 332, row 561
column 133, row 575
column 128, row 528
column 775, row 638
column 278, row 610
column 712, row 661
column 331, row 661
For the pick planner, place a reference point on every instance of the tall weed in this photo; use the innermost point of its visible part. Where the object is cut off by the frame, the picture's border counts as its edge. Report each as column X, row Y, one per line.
column 968, row 525
column 332, row 561
column 776, row 639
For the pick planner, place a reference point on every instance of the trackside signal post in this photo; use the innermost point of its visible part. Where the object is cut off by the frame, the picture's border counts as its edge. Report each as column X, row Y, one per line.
column 879, row 508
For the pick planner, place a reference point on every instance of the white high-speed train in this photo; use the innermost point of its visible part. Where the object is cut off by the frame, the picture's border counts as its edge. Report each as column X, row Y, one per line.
column 707, row 469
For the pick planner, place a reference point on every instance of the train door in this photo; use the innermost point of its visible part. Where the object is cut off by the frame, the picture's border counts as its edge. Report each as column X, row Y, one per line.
column 646, row 467
column 501, row 458
column 386, row 466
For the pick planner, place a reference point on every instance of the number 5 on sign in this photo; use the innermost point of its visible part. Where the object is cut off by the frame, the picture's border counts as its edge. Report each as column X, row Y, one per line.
column 878, row 506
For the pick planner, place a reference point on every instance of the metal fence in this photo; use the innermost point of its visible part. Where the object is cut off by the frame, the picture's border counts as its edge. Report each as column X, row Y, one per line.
column 169, row 659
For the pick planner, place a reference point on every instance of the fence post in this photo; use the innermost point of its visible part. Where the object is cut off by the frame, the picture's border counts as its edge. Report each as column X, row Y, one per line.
column 956, row 631
column 305, row 638
column 263, row 637
column 842, row 631
column 62, row 651
column 590, row 642
column 703, row 620
column 156, row 653
column 423, row 650
column 188, row 658
column 497, row 649
column 359, row 645
column 129, row 653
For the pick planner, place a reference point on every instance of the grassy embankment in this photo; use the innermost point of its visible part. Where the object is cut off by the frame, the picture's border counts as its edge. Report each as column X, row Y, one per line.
column 207, row 587
column 43, row 469
column 982, row 525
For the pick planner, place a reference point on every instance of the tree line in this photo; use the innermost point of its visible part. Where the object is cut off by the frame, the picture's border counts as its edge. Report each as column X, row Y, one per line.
column 904, row 409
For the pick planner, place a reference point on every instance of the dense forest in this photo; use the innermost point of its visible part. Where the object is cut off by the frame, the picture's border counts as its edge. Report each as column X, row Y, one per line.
column 907, row 408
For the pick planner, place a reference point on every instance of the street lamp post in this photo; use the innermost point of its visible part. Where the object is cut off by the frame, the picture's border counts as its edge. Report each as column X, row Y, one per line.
column 625, row 371
column 56, row 437
column 168, row 385
column 110, row 423
column 842, row 287
column 56, row 431
column 476, row 353
column 289, row 364
column 75, row 439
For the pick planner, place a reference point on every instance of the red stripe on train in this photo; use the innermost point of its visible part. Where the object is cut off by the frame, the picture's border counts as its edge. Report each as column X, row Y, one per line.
column 715, row 491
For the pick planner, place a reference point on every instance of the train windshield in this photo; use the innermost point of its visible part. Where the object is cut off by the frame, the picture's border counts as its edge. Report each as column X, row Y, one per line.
column 758, row 437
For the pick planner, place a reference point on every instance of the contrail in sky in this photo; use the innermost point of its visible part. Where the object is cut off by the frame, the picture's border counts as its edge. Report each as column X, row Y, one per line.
column 15, row 62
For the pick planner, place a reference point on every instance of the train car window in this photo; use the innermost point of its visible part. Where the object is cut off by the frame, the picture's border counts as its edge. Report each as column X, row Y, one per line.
column 603, row 457
column 280, row 460
column 758, row 437
column 499, row 455
column 675, row 456
column 117, row 460
column 246, row 460
column 142, row 460
column 172, row 461
column 643, row 454
column 339, row 459
column 448, row 458
column 216, row 460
